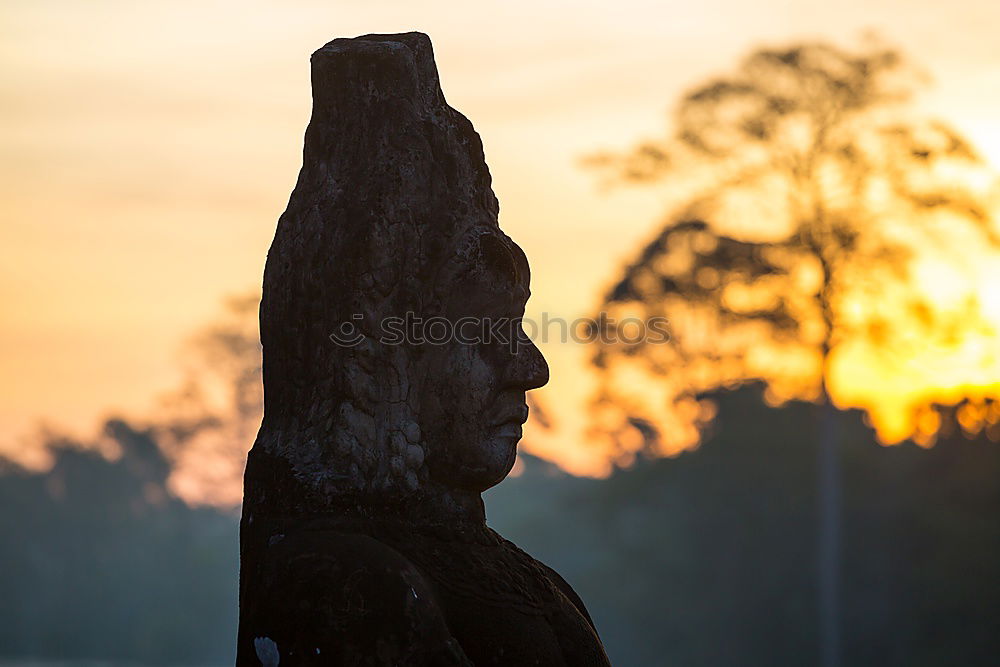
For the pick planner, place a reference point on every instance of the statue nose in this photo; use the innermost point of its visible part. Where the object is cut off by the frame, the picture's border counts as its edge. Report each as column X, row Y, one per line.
column 529, row 369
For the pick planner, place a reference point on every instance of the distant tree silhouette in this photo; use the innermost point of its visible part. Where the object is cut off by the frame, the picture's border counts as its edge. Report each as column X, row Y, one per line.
column 809, row 189
column 712, row 552
column 208, row 424
column 102, row 562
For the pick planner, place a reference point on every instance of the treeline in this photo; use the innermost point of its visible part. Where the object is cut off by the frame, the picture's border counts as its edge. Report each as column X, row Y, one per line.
column 98, row 560
column 710, row 559
column 704, row 559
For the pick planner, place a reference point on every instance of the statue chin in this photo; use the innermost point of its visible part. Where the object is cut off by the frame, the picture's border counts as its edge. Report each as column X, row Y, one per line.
column 505, row 448
column 480, row 467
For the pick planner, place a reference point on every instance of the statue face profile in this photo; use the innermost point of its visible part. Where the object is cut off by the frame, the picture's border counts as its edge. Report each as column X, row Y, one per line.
column 473, row 401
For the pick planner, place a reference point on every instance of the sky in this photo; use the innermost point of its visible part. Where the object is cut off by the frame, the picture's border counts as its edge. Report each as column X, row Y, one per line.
column 147, row 149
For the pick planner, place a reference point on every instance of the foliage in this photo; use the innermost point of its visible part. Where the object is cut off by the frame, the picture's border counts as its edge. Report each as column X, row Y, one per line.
column 703, row 559
column 101, row 561
column 807, row 190
column 208, row 424
column 709, row 558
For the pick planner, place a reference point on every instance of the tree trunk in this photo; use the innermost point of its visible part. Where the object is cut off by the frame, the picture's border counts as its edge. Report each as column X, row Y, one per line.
column 829, row 542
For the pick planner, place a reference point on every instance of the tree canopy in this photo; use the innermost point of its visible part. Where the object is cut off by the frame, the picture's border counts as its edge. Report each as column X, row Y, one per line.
column 208, row 423
column 807, row 188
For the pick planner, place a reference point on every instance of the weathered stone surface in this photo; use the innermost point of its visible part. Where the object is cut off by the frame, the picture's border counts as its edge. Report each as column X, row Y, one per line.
column 363, row 538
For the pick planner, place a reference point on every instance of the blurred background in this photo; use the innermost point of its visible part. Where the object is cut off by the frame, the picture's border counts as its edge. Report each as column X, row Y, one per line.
column 808, row 473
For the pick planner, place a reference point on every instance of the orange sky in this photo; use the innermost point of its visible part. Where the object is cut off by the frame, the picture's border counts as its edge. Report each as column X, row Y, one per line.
column 146, row 151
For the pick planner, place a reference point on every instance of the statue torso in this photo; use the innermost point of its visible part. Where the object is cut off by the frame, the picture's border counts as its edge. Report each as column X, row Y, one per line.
column 498, row 605
column 502, row 605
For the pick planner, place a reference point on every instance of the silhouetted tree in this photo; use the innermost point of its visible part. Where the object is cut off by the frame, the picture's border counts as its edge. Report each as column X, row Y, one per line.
column 811, row 189
column 208, row 425
column 101, row 561
column 808, row 190
column 708, row 558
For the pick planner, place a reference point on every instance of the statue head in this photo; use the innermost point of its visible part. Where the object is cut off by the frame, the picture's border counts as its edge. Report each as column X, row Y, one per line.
column 394, row 361
column 472, row 403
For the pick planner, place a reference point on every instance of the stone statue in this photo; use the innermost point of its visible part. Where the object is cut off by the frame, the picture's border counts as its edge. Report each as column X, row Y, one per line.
column 363, row 537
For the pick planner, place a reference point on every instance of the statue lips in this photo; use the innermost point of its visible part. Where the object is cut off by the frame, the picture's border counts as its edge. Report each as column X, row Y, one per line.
column 508, row 423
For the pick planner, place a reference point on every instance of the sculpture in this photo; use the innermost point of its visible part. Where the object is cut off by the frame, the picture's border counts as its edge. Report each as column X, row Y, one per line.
column 363, row 536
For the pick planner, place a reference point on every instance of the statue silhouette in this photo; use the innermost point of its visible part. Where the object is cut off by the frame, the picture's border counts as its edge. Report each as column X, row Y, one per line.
column 363, row 537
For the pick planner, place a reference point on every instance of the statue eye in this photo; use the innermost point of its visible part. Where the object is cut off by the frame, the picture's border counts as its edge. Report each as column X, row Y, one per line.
column 489, row 282
column 498, row 261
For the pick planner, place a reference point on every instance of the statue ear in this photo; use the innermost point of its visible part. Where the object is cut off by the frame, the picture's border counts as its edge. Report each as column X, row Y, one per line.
column 496, row 258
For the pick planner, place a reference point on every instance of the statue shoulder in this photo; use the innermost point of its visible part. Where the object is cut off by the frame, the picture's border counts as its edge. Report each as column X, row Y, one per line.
column 569, row 592
column 328, row 597
column 554, row 577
